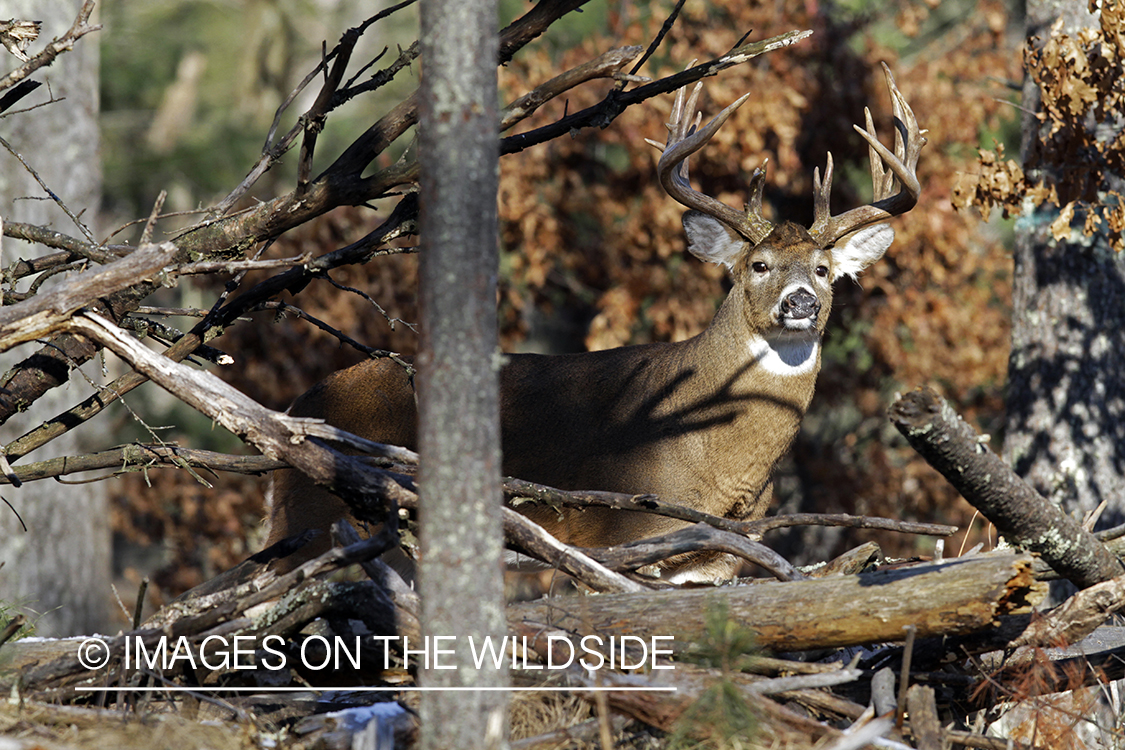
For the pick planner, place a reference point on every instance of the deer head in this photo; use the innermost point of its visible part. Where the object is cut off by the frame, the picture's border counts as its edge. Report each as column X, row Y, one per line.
column 785, row 272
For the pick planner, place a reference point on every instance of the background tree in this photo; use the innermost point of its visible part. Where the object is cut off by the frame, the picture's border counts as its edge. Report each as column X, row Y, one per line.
column 59, row 567
column 1066, row 377
column 1066, row 393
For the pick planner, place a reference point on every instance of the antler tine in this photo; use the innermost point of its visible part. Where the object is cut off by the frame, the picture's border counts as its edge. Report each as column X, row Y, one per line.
column 882, row 181
column 822, row 193
column 757, row 185
column 683, row 141
column 901, row 166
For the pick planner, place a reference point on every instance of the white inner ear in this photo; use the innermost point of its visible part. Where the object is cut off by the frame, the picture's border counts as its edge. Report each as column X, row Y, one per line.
column 711, row 240
column 862, row 248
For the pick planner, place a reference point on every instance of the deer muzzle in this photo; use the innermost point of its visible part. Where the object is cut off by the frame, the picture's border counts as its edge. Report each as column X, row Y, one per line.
column 799, row 305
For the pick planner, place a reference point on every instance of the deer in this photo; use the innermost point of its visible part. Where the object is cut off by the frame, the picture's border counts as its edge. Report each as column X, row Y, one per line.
column 701, row 422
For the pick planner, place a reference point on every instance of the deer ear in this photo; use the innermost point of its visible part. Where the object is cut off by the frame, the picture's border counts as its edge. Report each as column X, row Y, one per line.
column 711, row 240
column 860, row 249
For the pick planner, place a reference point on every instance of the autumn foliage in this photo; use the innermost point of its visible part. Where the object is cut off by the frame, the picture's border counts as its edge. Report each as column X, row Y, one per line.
column 1079, row 82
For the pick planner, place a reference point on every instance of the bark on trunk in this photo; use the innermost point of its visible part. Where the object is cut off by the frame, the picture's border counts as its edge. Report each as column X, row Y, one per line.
column 59, row 566
column 1066, row 374
column 458, row 383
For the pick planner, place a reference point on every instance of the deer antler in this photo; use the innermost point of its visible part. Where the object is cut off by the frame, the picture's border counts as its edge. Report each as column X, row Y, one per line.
column 903, row 163
column 684, row 140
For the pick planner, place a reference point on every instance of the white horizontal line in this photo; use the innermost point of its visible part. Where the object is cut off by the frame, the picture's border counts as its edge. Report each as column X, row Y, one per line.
column 351, row 689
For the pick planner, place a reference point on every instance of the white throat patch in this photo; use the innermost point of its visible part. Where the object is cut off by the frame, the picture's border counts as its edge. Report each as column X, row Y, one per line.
column 786, row 354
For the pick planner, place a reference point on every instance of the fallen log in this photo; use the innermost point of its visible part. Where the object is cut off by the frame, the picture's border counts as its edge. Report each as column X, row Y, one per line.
column 955, row 597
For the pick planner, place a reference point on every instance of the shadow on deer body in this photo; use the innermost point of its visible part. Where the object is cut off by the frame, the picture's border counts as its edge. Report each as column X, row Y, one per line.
column 700, row 422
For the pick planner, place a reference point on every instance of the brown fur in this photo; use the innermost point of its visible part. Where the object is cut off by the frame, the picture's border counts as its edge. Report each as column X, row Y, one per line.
column 701, row 422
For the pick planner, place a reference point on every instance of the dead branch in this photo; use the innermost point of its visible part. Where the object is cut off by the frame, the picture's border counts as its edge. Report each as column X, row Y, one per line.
column 231, row 266
column 55, row 47
column 602, row 114
column 519, row 491
column 131, row 458
column 695, row 539
column 74, row 249
column 1075, row 618
column 1025, row 518
column 531, row 537
column 762, row 525
column 46, row 313
column 269, row 431
column 605, row 65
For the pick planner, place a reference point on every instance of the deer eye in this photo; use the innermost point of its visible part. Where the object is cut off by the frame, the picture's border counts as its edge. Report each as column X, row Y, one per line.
column 822, row 271
column 759, row 267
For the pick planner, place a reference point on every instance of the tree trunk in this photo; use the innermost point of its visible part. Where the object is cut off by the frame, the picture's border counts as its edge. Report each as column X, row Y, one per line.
column 458, row 387
column 59, row 567
column 1066, row 374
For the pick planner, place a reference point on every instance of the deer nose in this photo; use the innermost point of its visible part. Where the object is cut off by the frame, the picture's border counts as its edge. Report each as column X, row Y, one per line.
column 800, row 304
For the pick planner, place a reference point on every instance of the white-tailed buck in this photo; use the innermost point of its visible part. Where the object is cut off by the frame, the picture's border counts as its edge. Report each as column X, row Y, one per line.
column 700, row 422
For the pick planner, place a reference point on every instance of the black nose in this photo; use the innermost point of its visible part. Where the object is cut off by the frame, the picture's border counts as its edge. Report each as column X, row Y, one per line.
column 800, row 304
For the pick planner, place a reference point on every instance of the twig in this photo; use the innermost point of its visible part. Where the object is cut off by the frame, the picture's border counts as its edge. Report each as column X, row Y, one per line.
column 7, row 471
column 231, row 266
column 519, row 491
column 21, row 90
column 313, row 120
column 183, row 312
column 904, row 676
column 50, row 193
column 701, row 537
column 74, row 248
column 763, row 525
column 170, row 335
column 664, row 29
column 272, row 151
column 139, row 457
column 371, row 300
column 15, row 512
column 285, row 307
column 602, row 114
column 154, row 214
column 140, row 605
